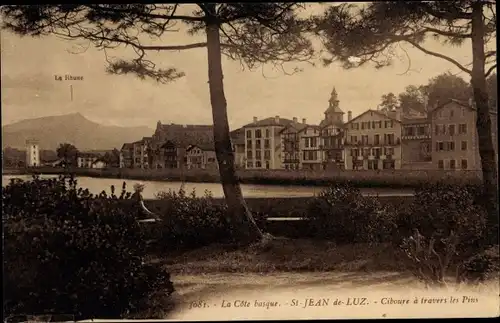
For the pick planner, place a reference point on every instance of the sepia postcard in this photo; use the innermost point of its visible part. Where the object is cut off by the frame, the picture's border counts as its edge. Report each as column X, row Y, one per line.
column 249, row 161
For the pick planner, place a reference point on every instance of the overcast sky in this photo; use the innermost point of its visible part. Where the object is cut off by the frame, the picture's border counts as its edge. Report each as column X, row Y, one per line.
column 29, row 89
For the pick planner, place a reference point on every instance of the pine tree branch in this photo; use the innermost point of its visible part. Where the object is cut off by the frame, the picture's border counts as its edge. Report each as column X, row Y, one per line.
column 490, row 70
column 428, row 52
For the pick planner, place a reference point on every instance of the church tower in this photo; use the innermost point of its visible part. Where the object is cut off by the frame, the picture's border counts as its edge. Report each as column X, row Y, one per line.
column 333, row 115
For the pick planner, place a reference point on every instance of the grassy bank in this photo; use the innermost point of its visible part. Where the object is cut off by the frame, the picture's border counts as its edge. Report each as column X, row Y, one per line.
column 375, row 179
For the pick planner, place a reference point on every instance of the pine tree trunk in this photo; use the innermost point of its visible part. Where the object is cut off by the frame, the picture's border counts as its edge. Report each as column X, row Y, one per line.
column 240, row 219
column 483, row 120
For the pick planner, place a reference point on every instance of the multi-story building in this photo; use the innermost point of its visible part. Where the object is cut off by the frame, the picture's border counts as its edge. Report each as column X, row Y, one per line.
column 170, row 141
column 87, row 160
column 416, row 141
column 238, row 142
column 332, row 135
column 291, row 144
column 32, row 153
column 201, row 157
column 263, row 143
column 310, row 146
column 454, row 138
column 373, row 141
column 127, row 156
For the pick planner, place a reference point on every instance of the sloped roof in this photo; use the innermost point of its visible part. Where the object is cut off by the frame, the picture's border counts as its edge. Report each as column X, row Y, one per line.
column 375, row 111
column 295, row 125
column 205, row 147
column 127, row 146
column 185, row 135
column 269, row 122
column 238, row 136
column 334, row 110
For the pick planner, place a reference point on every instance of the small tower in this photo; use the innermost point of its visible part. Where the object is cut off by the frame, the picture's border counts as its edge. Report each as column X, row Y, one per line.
column 334, row 114
column 32, row 153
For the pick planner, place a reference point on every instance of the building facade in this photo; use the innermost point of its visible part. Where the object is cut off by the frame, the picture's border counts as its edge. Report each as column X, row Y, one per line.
column 291, row 145
column 454, row 138
column 373, row 141
column 332, row 134
column 127, row 156
column 170, row 141
column 32, row 153
column 86, row 160
column 263, row 143
column 201, row 157
column 311, row 157
column 238, row 143
column 416, row 143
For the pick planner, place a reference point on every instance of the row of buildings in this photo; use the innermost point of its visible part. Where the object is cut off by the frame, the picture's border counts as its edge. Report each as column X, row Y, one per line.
column 83, row 159
column 442, row 137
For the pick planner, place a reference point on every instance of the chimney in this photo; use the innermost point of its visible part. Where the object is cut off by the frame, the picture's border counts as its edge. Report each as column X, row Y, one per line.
column 295, row 119
column 277, row 119
column 254, row 119
column 304, row 120
column 349, row 116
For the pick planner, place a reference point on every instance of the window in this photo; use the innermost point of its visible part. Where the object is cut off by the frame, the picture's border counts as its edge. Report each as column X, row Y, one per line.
column 421, row 130
column 306, row 142
column 267, row 143
column 313, row 142
column 258, row 133
column 389, row 164
column 464, row 163
column 267, row 154
column 452, row 112
column 389, row 151
column 386, row 123
column 443, row 129
column 354, row 139
column 257, row 143
column 362, row 125
column 249, row 154
column 376, row 140
column 439, row 146
column 389, row 139
column 249, row 164
column 436, row 129
column 376, row 152
column 249, row 133
column 368, row 125
column 380, row 124
column 463, row 112
column 452, row 164
column 268, row 133
column 364, row 139
column 258, row 164
column 356, row 126
column 450, row 146
column 354, row 152
column 366, row 152
column 462, row 129
column 258, row 154
column 440, row 164
column 451, row 129
column 373, row 124
column 373, row 164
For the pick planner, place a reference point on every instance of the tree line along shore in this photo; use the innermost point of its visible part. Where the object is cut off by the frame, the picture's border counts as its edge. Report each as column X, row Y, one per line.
column 382, row 179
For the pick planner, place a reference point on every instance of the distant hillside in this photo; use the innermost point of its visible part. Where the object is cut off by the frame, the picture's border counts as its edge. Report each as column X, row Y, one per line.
column 72, row 128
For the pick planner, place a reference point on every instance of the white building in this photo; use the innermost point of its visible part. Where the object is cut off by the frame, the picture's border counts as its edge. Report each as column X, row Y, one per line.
column 263, row 143
column 32, row 153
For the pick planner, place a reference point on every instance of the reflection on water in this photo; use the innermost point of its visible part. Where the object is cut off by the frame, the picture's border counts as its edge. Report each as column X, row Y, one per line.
column 97, row 185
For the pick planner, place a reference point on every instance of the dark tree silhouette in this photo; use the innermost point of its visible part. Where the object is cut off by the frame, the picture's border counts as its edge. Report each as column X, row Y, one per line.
column 447, row 86
column 68, row 153
column 389, row 102
column 371, row 33
column 251, row 33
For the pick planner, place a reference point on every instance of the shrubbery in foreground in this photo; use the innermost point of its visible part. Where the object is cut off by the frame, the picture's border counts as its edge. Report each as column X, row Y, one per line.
column 442, row 233
column 68, row 251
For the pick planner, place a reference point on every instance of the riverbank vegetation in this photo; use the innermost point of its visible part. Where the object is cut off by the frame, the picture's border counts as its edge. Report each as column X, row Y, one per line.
column 58, row 237
column 361, row 179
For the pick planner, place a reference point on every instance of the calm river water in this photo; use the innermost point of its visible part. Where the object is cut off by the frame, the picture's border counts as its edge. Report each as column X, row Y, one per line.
column 97, row 185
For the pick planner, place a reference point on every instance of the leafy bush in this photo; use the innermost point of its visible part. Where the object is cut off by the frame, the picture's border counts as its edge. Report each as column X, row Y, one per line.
column 343, row 214
column 190, row 221
column 443, row 228
column 69, row 251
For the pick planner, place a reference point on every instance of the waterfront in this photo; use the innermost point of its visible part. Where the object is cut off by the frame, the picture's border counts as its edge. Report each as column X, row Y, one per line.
column 97, row 185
